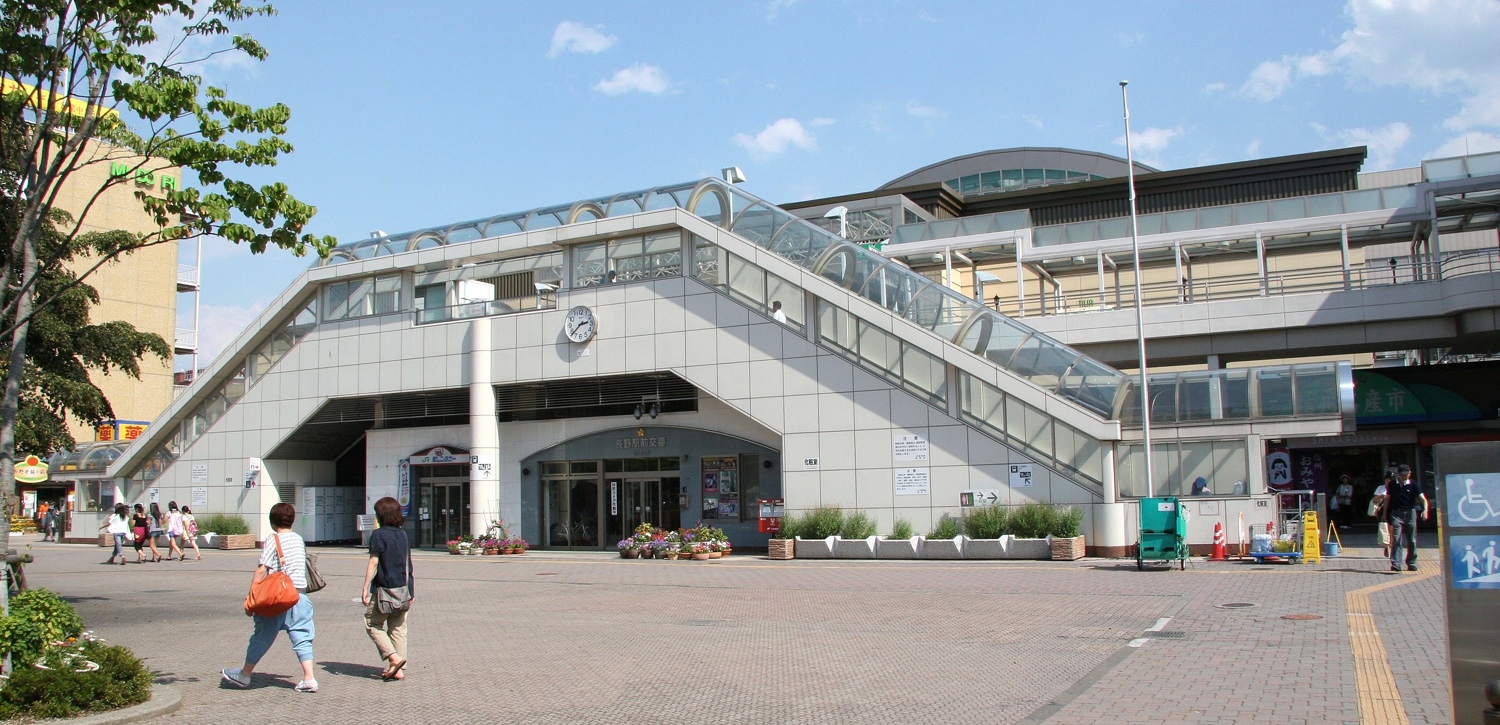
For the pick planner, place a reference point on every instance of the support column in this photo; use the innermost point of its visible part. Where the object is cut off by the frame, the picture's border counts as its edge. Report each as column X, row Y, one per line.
column 1260, row 264
column 1344, row 254
column 1108, row 536
column 484, row 436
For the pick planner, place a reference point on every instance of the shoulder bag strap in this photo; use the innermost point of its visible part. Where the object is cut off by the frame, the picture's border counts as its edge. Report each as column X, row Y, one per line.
column 411, row 576
column 280, row 562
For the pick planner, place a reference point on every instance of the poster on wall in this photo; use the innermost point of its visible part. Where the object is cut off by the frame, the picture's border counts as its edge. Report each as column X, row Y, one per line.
column 200, row 473
column 200, row 497
column 913, row 482
column 1310, row 471
column 721, row 498
column 1279, row 470
column 403, row 485
column 909, row 448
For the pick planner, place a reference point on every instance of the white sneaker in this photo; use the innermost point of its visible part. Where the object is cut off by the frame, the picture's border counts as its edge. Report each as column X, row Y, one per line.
column 307, row 686
column 235, row 677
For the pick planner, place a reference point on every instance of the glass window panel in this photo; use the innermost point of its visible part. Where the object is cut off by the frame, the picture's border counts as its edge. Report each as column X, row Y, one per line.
column 1148, row 223
column 658, row 243
column 1196, row 402
column 336, row 300
column 1231, row 466
column 1444, row 169
column 1234, row 393
column 1196, row 459
column 625, row 248
column 1400, row 197
column 835, row 326
column 1114, row 228
column 589, row 264
column 1043, row 361
column 1047, row 236
column 969, row 184
column 790, row 297
column 706, row 261
column 1367, row 200
column 234, row 388
column 747, row 282
column 1483, row 164
column 431, row 302
column 989, row 180
column 709, row 208
column 1182, row 221
column 583, row 467
column 1283, row 209
column 1080, row 232
column 1056, row 174
column 305, row 320
column 1317, row 391
column 1163, row 392
column 1325, row 205
column 1252, row 213
column 879, row 349
column 1030, row 426
column 1216, row 216
column 1033, row 176
column 1011, row 177
column 923, row 371
column 839, row 267
column 1093, row 385
column 386, row 297
column 755, row 224
column 1275, row 392
column 359, row 297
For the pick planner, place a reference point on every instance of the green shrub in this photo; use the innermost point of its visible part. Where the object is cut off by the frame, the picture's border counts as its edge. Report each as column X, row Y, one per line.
column 821, row 523
column 223, row 524
column 121, row 680
column 1032, row 520
column 986, row 522
column 1067, row 521
column 901, row 529
column 790, row 525
column 947, row 528
column 37, row 619
column 857, row 525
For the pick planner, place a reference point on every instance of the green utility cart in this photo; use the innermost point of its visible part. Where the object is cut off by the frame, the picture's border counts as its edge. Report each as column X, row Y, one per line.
column 1163, row 535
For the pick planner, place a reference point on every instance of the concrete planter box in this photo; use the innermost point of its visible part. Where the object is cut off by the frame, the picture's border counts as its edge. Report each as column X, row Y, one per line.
column 943, row 548
column 987, row 548
column 1029, row 549
column 854, row 548
column 237, row 541
column 782, row 549
column 1067, row 549
column 815, row 548
column 208, row 541
column 899, row 548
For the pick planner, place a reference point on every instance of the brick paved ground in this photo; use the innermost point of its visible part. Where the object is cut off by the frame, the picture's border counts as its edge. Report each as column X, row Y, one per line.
column 563, row 638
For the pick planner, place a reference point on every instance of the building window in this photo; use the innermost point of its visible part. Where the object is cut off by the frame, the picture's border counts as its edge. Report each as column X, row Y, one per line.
column 628, row 260
column 361, row 297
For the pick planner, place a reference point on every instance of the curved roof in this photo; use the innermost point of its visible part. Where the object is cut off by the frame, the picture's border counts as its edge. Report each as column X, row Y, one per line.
column 1087, row 162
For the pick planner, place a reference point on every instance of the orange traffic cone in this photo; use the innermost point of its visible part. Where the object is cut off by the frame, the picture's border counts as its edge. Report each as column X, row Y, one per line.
column 1220, row 554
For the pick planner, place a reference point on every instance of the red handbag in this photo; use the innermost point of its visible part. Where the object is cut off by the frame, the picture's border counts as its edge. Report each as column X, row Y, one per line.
column 274, row 594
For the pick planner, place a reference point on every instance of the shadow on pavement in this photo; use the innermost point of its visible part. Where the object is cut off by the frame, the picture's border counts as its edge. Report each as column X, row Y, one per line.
column 349, row 669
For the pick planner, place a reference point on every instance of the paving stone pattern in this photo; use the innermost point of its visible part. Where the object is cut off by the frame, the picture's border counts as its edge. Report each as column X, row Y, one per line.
column 588, row 638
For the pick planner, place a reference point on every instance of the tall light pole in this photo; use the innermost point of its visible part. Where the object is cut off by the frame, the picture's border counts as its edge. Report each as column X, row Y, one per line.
column 1140, row 324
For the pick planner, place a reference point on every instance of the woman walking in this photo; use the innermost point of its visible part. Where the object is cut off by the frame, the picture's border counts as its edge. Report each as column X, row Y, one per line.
column 140, row 528
column 190, row 529
column 175, row 532
column 118, row 525
column 389, row 569
column 156, row 530
column 285, row 552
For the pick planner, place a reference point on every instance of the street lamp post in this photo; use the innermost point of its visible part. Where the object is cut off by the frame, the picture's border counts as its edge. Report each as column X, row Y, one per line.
column 1140, row 325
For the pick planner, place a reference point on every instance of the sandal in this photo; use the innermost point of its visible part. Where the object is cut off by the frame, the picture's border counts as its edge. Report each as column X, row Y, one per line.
column 390, row 674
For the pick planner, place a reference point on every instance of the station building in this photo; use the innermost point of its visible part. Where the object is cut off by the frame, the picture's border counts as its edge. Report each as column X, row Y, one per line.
column 676, row 354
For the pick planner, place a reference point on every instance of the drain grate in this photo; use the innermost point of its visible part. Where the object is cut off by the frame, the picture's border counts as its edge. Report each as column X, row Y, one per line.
column 1237, row 605
column 1301, row 617
column 1169, row 635
column 546, row 573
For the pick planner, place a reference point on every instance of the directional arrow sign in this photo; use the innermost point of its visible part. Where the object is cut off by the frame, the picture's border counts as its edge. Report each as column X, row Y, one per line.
column 978, row 497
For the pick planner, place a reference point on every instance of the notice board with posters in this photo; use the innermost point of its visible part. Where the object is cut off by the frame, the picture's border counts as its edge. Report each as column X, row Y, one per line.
column 721, row 487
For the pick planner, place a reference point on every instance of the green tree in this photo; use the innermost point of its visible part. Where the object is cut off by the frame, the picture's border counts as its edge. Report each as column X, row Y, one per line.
column 90, row 82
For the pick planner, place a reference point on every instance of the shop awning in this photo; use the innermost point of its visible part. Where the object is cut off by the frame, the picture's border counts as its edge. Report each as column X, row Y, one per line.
column 1443, row 404
column 1379, row 400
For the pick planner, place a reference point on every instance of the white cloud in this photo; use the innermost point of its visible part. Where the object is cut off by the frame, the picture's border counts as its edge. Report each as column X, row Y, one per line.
column 639, row 77
column 1253, row 149
column 1383, row 143
column 1150, row 140
column 925, row 16
column 1033, row 120
column 1443, row 47
column 1215, row 87
column 774, row 139
column 218, row 325
column 571, row 37
column 1474, row 142
column 776, row 6
column 1129, row 39
column 920, row 111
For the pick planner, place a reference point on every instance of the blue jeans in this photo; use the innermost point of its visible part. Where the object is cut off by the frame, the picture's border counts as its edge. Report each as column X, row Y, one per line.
column 298, row 623
column 1404, row 535
column 119, row 546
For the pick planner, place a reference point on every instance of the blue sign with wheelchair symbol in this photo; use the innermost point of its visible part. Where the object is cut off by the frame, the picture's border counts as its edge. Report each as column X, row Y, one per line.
column 1476, row 561
column 1473, row 499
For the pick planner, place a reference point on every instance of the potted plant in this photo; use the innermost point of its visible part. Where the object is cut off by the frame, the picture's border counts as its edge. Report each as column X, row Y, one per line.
column 945, row 541
column 901, row 544
column 518, row 545
column 453, row 547
column 856, row 539
column 815, row 532
column 1067, row 542
column 700, row 551
column 672, row 541
column 629, row 548
column 783, row 544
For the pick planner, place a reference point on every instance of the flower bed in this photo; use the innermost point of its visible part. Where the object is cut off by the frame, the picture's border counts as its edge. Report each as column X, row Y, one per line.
column 698, row 544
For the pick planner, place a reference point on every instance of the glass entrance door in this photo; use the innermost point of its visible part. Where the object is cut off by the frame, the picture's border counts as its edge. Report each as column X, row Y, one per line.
column 445, row 503
column 636, row 501
column 572, row 514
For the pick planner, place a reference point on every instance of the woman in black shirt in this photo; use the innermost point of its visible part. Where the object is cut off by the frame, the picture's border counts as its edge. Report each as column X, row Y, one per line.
column 140, row 528
column 389, row 569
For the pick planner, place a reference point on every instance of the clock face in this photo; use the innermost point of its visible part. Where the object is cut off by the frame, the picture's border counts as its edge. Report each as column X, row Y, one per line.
column 579, row 325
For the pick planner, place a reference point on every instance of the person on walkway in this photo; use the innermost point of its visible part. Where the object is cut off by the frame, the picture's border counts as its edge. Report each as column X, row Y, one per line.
column 140, row 530
column 1377, row 511
column 175, row 532
column 51, row 522
column 389, row 568
column 40, row 519
column 157, row 530
column 297, row 621
column 118, row 525
column 1404, row 499
column 190, row 530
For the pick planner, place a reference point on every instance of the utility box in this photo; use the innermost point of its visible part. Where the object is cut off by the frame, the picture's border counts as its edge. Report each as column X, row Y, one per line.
column 1468, row 504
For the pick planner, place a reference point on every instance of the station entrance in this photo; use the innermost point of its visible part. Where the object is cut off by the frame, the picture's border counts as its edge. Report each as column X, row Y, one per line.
column 589, row 505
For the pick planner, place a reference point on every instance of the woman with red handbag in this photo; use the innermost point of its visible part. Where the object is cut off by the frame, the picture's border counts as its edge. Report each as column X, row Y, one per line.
column 284, row 555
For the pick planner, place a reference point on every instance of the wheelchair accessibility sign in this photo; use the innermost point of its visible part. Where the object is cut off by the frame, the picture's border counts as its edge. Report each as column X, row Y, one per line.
column 1473, row 499
column 1476, row 561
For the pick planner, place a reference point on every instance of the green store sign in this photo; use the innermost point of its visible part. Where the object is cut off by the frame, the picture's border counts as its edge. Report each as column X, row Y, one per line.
column 143, row 177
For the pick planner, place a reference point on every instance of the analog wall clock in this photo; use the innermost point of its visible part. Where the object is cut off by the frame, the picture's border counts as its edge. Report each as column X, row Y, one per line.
column 580, row 324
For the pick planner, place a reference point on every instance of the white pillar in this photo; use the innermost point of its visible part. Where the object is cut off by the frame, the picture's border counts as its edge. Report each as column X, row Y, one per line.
column 484, row 432
column 1109, row 516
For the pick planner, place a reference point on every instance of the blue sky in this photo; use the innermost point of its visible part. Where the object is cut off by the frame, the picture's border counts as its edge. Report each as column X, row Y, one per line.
column 409, row 115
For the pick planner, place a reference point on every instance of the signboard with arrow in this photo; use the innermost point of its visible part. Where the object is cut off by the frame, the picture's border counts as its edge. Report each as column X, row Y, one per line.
column 978, row 497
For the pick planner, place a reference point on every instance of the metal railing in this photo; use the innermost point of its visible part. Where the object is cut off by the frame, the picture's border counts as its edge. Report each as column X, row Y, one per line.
column 488, row 308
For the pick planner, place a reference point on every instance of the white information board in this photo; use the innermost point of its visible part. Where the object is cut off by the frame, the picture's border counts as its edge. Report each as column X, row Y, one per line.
column 200, row 473
column 200, row 497
column 913, row 482
column 482, row 468
column 909, row 448
column 1020, row 475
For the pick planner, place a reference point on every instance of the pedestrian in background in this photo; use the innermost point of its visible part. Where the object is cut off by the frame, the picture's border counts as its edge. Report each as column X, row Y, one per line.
column 156, row 530
column 140, row 530
column 389, row 569
column 118, row 526
column 1403, row 500
column 190, row 528
column 175, row 532
column 1377, row 510
column 290, row 558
